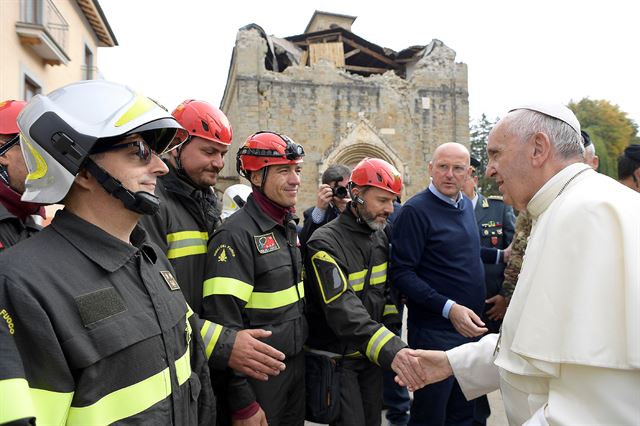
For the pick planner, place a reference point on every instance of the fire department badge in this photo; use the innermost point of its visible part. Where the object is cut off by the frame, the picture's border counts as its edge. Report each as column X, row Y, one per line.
column 266, row 243
column 221, row 252
column 170, row 280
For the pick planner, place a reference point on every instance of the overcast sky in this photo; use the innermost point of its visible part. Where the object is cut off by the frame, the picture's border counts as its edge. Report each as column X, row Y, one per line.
column 516, row 51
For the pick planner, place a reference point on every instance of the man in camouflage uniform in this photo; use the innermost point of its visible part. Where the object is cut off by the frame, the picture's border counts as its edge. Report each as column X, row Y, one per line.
column 518, row 246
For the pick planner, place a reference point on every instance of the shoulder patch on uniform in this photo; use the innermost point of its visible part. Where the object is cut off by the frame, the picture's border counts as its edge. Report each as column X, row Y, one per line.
column 170, row 280
column 330, row 278
column 266, row 243
column 496, row 197
column 221, row 252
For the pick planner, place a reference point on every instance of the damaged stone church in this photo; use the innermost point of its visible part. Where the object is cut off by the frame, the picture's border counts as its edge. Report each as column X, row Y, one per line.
column 344, row 98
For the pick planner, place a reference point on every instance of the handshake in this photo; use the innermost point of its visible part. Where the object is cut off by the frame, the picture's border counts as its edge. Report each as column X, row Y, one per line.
column 418, row 368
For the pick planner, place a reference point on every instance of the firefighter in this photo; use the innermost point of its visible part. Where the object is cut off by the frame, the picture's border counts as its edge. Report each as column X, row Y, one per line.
column 350, row 311
column 254, row 278
column 186, row 219
column 188, row 212
column 18, row 219
column 93, row 326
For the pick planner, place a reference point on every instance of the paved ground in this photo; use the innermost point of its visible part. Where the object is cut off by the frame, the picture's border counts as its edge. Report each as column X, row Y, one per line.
column 497, row 418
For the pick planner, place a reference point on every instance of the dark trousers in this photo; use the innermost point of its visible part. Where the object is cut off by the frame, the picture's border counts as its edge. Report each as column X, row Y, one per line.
column 395, row 398
column 441, row 403
column 282, row 396
column 482, row 411
column 360, row 394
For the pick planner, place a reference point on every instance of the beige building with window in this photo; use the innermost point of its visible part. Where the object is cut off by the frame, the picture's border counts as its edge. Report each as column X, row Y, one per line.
column 45, row 44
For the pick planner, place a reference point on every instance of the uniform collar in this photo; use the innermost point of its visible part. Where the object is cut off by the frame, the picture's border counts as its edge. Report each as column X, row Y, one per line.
column 262, row 219
column 176, row 182
column 351, row 221
column 101, row 247
column 11, row 201
column 477, row 198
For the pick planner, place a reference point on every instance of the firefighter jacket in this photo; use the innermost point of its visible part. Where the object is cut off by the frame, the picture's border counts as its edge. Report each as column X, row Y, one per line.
column 96, row 331
column 13, row 230
column 182, row 228
column 349, row 307
column 254, row 280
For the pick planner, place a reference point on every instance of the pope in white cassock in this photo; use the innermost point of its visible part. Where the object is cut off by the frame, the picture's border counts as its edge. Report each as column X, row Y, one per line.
column 569, row 350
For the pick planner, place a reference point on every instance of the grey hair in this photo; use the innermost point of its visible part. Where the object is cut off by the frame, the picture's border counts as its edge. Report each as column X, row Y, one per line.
column 524, row 123
column 591, row 148
column 335, row 172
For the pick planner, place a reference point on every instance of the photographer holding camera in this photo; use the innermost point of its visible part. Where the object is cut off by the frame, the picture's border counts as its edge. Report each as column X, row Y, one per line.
column 332, row 200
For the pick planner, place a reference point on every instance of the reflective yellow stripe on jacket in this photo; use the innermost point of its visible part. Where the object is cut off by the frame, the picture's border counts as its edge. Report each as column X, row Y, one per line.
column 210, row 333
column 19, row 401
column 186, row 243
column 377, row 341
column 254, row 299
column 378, row 276
column 276, row 299
column 390, row 310
column 133, row 399
column 227, row 286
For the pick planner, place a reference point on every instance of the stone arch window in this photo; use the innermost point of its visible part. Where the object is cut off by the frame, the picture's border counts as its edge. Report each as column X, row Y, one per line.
column 361, row 141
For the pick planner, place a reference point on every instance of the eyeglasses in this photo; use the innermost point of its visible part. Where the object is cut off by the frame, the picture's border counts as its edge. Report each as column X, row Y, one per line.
column 10, row 144
column 456, row 169
column 144, row 152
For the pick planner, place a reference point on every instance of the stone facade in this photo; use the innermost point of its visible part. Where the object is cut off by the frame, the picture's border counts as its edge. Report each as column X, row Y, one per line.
column 342, row 117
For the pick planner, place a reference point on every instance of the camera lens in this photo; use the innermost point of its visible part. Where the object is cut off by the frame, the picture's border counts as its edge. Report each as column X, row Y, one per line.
column 339, row 191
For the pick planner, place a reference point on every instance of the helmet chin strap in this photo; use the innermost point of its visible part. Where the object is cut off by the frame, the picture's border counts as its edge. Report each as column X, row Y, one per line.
column 139, row 202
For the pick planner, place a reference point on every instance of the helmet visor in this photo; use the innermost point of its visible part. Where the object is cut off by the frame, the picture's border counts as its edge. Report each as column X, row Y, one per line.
column 162, row 135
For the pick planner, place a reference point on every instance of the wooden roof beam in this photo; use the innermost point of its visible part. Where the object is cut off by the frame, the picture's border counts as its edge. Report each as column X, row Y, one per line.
column 352, row 53
column 371, row 70
column 371, row 53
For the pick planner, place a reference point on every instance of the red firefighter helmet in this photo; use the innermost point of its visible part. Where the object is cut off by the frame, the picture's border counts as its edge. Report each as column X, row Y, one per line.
column 378, row 173
column 264, row 149
column 9, row 111
column 202, row 119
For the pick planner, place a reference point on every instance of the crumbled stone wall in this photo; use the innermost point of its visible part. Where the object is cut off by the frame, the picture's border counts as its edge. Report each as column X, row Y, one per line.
column 342, row 117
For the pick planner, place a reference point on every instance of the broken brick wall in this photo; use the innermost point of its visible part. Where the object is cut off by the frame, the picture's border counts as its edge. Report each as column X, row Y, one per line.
column 342, row 117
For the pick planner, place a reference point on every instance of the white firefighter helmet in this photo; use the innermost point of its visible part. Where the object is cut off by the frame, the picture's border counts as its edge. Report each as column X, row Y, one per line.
column 58, row 131
column 234, row 198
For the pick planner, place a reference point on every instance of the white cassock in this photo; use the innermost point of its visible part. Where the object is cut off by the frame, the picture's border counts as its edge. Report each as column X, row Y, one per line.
column 569, row 352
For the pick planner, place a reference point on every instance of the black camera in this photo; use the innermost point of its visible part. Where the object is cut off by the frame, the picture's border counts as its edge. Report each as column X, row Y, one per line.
column 339, row 191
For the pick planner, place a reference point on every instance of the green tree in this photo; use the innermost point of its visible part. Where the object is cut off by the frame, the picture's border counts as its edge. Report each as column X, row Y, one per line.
column 610, row 130
column 479, row 132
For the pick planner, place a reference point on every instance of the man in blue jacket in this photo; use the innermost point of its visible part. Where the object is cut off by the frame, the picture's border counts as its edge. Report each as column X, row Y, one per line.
column 436, row 263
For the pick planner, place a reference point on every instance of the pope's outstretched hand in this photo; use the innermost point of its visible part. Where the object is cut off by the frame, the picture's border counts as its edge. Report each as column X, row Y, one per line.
column 434, row 366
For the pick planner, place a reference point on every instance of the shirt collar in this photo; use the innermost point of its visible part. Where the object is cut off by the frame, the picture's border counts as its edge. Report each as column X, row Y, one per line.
column 102, row 248
column 551, row 189
column 454, row 202
column 474, row 200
